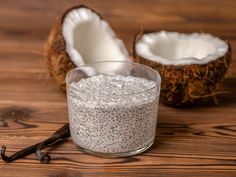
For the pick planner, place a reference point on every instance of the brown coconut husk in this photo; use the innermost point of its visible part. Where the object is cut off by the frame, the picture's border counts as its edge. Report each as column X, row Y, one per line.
column 187, row 84
column 58, row 60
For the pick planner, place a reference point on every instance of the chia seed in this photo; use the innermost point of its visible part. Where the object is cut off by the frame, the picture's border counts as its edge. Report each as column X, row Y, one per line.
column 112, row 114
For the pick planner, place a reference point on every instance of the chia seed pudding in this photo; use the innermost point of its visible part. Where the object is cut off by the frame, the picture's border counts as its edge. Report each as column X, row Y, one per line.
column 112, row 114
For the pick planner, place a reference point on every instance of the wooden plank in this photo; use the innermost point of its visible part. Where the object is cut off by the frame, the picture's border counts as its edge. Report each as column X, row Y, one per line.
column 195, row 141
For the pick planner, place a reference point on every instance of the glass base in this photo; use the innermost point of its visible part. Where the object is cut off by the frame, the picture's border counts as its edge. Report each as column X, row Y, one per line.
column 116, row 155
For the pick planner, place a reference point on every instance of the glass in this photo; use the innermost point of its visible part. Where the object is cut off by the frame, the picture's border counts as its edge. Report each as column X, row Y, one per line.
column 126, row 125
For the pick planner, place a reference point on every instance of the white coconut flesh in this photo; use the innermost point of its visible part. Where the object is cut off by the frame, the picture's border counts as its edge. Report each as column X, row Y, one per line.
column 172, row 48
column 90, row 39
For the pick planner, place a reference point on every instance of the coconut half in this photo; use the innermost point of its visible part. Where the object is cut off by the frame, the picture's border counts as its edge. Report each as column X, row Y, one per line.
column 81, row 37
column 192, row 66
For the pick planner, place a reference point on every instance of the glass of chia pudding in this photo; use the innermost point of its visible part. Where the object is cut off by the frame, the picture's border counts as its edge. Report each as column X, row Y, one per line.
column 113, row 107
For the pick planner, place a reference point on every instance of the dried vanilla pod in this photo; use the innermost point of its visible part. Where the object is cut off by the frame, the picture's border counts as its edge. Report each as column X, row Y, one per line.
column 60, row 135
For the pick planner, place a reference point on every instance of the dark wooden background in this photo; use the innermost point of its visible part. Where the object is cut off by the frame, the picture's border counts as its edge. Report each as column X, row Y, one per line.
column 198, row 141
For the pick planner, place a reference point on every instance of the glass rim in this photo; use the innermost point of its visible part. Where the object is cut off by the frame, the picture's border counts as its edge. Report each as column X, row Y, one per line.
column 157, row 81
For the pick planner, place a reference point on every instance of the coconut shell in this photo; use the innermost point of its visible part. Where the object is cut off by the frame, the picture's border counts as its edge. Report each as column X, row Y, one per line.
column 187, row 84
column 58, row 60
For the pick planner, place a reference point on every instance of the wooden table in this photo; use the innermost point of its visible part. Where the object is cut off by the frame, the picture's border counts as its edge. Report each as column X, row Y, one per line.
column 196, row 141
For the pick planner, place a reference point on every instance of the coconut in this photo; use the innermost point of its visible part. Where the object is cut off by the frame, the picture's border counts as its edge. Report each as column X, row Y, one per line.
column 192, row 66
column 79, row 37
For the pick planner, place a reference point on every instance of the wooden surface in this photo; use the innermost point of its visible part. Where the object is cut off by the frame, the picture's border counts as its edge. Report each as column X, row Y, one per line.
column 198, row 141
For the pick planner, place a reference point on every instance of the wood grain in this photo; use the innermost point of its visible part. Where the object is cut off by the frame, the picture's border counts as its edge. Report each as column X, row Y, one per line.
column 196, row 141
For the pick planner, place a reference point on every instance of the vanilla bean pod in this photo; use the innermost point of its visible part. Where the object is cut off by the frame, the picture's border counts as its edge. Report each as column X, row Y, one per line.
column 61, row 134
column 58, row 136
column 18, row 155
